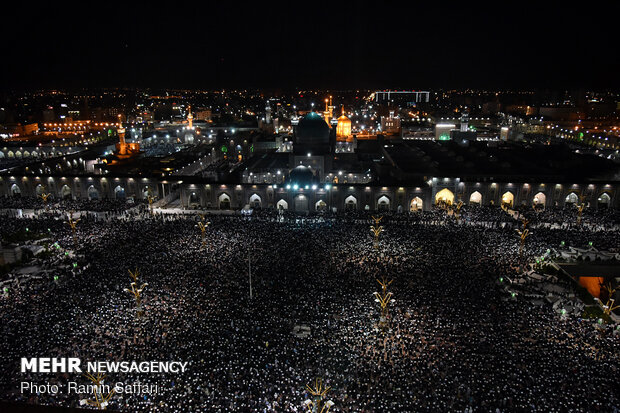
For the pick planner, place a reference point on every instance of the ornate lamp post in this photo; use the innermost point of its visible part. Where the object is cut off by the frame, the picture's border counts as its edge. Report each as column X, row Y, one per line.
column 580, row 208
column 318, row 404
column 203, row 228
column 457, row 211
column 150, row 198
column 73, row 223
column 136, row 291
column 609, row 306
column 101, row 399
column 523, row 234
column 384, row 298
column 376, row 229
column 45, row 197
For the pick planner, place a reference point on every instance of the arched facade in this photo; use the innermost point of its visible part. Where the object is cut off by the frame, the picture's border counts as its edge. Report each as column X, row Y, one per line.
column 350, row 203
column 92, row 193
column 282, row 204
column 416, row 204
column 571, row 198
column 540, row 200
column 65, row 192
column 445, row 196
column 603, row 201
column 255, row 201
column 383, row 203
column 301, row 203
column 119, row 192
column 223, row 201
column 508, row 199
column 475, row 198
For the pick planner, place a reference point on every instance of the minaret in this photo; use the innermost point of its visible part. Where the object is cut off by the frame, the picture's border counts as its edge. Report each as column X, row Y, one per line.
column 268, row 113
column 190, row 118
column 121, row 131
column 465, row 120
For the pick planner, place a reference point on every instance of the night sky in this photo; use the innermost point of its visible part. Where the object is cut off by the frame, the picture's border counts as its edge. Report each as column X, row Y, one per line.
column 310, row 45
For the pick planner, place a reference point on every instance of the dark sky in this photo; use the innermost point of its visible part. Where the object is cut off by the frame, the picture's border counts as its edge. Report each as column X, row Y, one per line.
column 311, row 45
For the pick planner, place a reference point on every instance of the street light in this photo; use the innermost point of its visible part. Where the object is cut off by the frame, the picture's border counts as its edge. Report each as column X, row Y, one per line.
column 376, row 230
column 317, row 403
column 73, row 225
column 384, row 298
column 136, row 291
column 523, row 234
column 203, row 228
column 101, row 400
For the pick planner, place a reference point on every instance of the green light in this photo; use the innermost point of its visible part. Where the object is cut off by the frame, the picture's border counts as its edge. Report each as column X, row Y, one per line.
column 444, row 137
column 501, row 279
column 224, row 149
column 49, row 230
column 55, row 278
column 563, row 311
column 590, row 243
column 66, row 253
column 6, row 289
column 74, row 264
column 513, row 295
column 562, row 243
column 27, row 230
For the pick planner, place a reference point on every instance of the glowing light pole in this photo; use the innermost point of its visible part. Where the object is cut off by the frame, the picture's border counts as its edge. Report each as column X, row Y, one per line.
column 150, row 198
column 101, row 400
column 318, row 404
column 73, row 223
column 136, row 291
column 523, row 234
column 376, row 230
column 609, row 307
column 457, row 210
column 45, row 197
column 384, row 298
column 580, row 208
column 203, row 228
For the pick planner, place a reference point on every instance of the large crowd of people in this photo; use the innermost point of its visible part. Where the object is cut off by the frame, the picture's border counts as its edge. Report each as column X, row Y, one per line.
column 454, row 341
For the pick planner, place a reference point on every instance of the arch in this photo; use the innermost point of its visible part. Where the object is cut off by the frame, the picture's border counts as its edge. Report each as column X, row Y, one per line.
column 367, row 207
column 383, row 203
column 320, row 205
column 65, row 192
column 10, row 154
column 571, row 198
column 350, row 203
column 223, row 201
column 92, row 192
column 26, row 154
column 540, row 199
column 146, row 192
column 604, row 200
column 193, row 199
column 255, row 201
column 119, row 192
column 1, row 155
column 475, row 198
column 34, row 154
column 508, row 199
column 301, row 203
column 282, row 204
column 39, row 189
column 445, row 196
column 16, row 190
column 416, row 204
column 18, row 154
